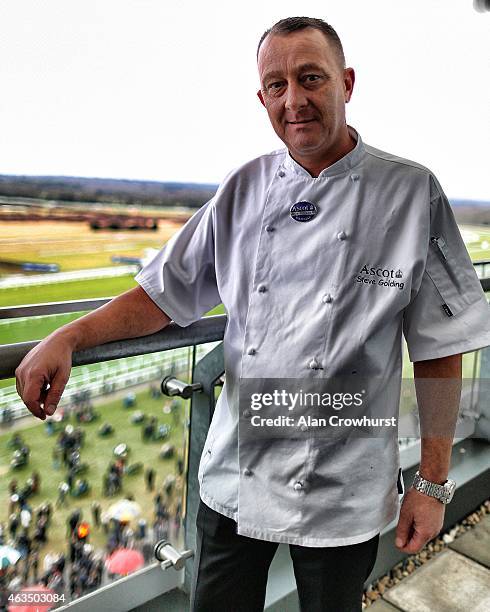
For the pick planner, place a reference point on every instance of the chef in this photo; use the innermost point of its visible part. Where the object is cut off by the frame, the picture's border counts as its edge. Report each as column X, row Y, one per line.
column 323, row 253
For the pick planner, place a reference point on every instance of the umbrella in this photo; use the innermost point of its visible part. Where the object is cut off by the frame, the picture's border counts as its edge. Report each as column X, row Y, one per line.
column 35, row 607
column 124, row 510
column 124, row 561
column 8, row 556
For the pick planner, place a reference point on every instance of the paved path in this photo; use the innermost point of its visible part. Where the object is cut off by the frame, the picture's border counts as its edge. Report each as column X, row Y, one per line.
column 456, row 580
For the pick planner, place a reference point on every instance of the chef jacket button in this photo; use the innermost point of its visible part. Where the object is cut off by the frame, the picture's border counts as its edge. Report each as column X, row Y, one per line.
column 341, row 235
column 326, row 299
column 269, row 228
column 354, row 177
column 281, row 173
column 247, row 472
column 298, row 486
column 246, row 413
column 314, row 365
column 261, row 288
column 251, row 351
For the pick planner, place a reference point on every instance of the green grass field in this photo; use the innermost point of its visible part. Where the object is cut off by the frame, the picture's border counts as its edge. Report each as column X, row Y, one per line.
column 70, row 290
column 37, row 328
column 97, row 452
column 477, row 241
column 34, row 328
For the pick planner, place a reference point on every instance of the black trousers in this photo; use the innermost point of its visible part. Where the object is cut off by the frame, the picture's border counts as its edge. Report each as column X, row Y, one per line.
column 230, row 570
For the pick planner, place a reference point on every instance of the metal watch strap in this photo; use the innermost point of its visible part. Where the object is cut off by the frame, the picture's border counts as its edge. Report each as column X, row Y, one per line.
column 429, row 488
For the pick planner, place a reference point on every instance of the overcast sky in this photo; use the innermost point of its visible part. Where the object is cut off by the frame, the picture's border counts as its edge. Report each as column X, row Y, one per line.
column 160, row 90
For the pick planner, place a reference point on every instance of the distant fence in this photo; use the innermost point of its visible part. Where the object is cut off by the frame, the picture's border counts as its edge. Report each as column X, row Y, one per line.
column 105, row 378
column 482, row 268
column 63, row 277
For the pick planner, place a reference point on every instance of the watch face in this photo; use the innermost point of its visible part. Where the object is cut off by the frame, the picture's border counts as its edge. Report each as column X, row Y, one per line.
column 449, row 488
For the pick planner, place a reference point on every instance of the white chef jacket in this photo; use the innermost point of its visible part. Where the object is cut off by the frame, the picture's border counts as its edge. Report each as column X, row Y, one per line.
column 297, row 310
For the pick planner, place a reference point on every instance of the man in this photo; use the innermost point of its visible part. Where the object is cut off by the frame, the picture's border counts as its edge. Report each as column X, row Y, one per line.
column 282, row 245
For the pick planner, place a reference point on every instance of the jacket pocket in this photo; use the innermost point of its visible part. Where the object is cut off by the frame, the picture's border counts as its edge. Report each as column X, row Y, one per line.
column 453, row 276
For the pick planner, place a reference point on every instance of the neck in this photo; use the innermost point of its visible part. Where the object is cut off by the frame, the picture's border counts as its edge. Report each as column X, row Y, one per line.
column 315, row 165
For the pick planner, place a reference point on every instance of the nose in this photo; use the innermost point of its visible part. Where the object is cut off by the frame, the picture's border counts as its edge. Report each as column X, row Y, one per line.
column 295, row 97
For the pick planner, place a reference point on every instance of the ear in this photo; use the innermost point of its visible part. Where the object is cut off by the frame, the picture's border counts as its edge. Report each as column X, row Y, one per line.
column 349, row 79
column 261, row 97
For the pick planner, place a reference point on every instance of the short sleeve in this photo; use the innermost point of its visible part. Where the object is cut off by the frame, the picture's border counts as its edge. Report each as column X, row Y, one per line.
column 449, row 314
column 181, row 278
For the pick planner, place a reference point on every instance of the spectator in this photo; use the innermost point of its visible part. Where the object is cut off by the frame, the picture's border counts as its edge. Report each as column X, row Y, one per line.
column 35, row 564
column 150, row 478
column 95, row 506
column 63, row 489
column 14, row 521
column 141, row 533
column 36, row 482
column 60, row 563
column 49, row 560
column 13, row 502
column 25, row 518
column 74, row 519
column 127, row 537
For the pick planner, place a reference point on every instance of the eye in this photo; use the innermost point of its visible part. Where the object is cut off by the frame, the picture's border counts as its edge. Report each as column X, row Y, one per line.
column 275, row 86
column 311, row 78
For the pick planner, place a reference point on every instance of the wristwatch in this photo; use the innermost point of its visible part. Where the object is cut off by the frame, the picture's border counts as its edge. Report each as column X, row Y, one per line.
column 444, row 493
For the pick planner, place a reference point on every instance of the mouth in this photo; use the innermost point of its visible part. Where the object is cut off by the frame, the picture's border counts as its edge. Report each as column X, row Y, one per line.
column 302, row 122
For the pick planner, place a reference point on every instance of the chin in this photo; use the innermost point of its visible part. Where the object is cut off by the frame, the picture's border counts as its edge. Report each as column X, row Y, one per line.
column 305, row 148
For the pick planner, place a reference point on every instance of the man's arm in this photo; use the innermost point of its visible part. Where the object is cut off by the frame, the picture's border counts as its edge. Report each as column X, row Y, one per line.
column 438, row 387
column 130, row 315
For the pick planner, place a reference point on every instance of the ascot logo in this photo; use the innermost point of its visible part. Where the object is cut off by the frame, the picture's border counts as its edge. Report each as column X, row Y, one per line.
column 387, row 277
column 382, row 272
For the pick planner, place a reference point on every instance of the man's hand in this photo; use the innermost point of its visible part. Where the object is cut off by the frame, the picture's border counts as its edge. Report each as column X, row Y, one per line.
column 49, row 363
column 421, row 519
column 129, row 315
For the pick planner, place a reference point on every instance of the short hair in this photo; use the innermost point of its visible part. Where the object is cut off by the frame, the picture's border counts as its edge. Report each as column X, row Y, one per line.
column 293, row 24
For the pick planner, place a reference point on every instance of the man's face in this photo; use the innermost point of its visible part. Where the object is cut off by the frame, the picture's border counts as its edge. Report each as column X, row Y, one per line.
column 304, row 89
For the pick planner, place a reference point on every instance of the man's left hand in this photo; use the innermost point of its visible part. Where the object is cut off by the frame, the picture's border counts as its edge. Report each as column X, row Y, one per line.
column 421, row 519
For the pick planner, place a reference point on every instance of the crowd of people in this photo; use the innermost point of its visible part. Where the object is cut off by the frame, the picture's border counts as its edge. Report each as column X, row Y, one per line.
column 81, row 569
column 89, row 541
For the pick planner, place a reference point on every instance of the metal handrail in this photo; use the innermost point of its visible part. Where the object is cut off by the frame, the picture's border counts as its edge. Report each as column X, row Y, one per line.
column 207, row 329
column 51, row 308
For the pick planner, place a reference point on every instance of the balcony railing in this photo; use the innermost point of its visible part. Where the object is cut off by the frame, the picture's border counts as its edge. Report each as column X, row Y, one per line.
column 169, row 587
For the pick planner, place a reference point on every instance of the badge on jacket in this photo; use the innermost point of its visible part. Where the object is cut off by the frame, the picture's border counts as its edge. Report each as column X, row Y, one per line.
column 303, row 211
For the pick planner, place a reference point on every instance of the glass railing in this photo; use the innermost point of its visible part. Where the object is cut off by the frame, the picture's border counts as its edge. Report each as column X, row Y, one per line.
column 107, row 472
column 89, row 492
